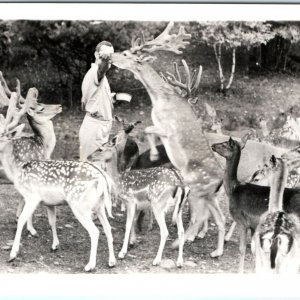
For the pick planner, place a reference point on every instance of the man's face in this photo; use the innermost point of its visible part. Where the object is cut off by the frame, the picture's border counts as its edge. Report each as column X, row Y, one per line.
column 106, row 52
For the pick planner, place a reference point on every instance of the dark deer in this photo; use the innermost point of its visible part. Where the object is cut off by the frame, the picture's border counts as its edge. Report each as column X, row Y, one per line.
column 247, row 202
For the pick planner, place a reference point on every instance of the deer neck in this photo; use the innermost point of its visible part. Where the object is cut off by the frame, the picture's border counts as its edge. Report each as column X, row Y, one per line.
column 157, row 88
column 44, row 135
column 264, row 130
column 230, row 176
column 10, row 164
column 278, row 183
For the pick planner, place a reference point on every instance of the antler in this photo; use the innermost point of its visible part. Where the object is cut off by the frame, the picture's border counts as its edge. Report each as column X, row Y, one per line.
column 4, row 91
column 191, row 82
column 15, row 110
column 165, row 41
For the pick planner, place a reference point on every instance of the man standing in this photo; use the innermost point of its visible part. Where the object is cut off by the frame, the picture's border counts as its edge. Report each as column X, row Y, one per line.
column 97, row 102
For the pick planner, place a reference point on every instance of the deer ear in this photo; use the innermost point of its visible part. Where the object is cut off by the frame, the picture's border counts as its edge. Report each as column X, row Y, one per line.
column 273, row 160
column 244, row 140
column 30, row 112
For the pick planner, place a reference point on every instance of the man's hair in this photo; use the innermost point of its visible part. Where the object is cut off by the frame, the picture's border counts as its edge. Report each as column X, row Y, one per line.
column 98, row 47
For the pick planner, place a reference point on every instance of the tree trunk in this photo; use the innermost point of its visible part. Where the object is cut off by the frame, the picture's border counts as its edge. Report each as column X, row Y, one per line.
column 70, row 91
column 218, row 54
column 232, row 70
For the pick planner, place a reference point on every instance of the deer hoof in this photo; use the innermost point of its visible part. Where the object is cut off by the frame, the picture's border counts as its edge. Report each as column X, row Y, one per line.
column 12, row 257
column 179, row 263
column 156, row 262
column 89, row 267
column 175, row 244
column 33, row 233
column 53, row 249
column 154, row 157
column 216, row 254
column 112, row 263
column 122, row 255
column 201, row 235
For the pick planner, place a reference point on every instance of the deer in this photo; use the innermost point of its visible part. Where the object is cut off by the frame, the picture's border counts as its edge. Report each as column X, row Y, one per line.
column 247, row 202
column 85, row 187
column 172, row 117
column 128, row 153
column 276, row 239
column 160, row 188
column 41, row 144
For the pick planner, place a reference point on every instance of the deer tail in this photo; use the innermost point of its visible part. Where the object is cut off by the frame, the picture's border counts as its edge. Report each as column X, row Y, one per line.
column 181, row 193
column 106, row 190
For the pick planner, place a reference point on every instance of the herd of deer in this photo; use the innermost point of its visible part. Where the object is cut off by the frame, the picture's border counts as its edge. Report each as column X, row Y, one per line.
column 183, row 169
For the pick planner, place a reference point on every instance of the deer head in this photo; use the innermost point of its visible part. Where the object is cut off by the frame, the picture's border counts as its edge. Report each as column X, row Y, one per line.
column 43, row 113
column 227, row 149
column 138, row 54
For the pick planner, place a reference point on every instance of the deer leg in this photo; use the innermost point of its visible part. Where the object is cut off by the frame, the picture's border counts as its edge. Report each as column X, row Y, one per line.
column 242, row 248
column 199, row 213
column 107, row 230
column 132, row 237
column 85, row 218
column 131, row 207
column 230, row 232
column 152, row 132
column 180, row 230
column 220, row 222
column 28, row 210
column 20, row 208
column 51, row 211
column 30, row 227
column 204, row 229
column 160, row 218
column 154, row 154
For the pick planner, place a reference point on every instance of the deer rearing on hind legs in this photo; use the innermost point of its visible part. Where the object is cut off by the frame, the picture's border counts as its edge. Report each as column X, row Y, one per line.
column 177, row 126
column 160, row 188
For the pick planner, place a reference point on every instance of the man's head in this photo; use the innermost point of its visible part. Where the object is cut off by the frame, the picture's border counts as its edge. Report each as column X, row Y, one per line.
column 104, row 50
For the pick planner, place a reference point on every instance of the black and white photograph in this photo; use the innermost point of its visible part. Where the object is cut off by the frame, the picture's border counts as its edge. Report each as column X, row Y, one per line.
column 150, row 145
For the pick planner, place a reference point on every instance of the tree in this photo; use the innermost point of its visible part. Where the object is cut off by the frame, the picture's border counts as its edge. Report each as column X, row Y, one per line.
column 230, row 36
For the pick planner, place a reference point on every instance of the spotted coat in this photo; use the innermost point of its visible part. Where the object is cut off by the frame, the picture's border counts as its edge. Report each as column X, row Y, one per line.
column 70, row 178
column 148, row 184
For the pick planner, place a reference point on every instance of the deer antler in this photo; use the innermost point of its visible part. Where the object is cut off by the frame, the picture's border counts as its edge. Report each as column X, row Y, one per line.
column 165, row 41
column 191, row 82
column 14, row 113
column 4, row 85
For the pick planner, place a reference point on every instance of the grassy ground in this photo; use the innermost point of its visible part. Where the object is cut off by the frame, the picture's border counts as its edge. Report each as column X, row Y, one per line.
column 251, row 98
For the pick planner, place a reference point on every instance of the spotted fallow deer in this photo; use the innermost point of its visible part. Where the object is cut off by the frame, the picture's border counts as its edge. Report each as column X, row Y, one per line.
column 160, row 188
column 38, row 146
column 177, row 126
column 85, row 187
column 275, row 243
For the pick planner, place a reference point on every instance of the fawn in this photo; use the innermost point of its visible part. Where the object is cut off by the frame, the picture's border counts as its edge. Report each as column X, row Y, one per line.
column 276, row 239
column 247, row 202
column 159, row 187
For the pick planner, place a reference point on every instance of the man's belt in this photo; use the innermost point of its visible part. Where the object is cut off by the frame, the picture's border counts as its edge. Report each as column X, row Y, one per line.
column 95, row 116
